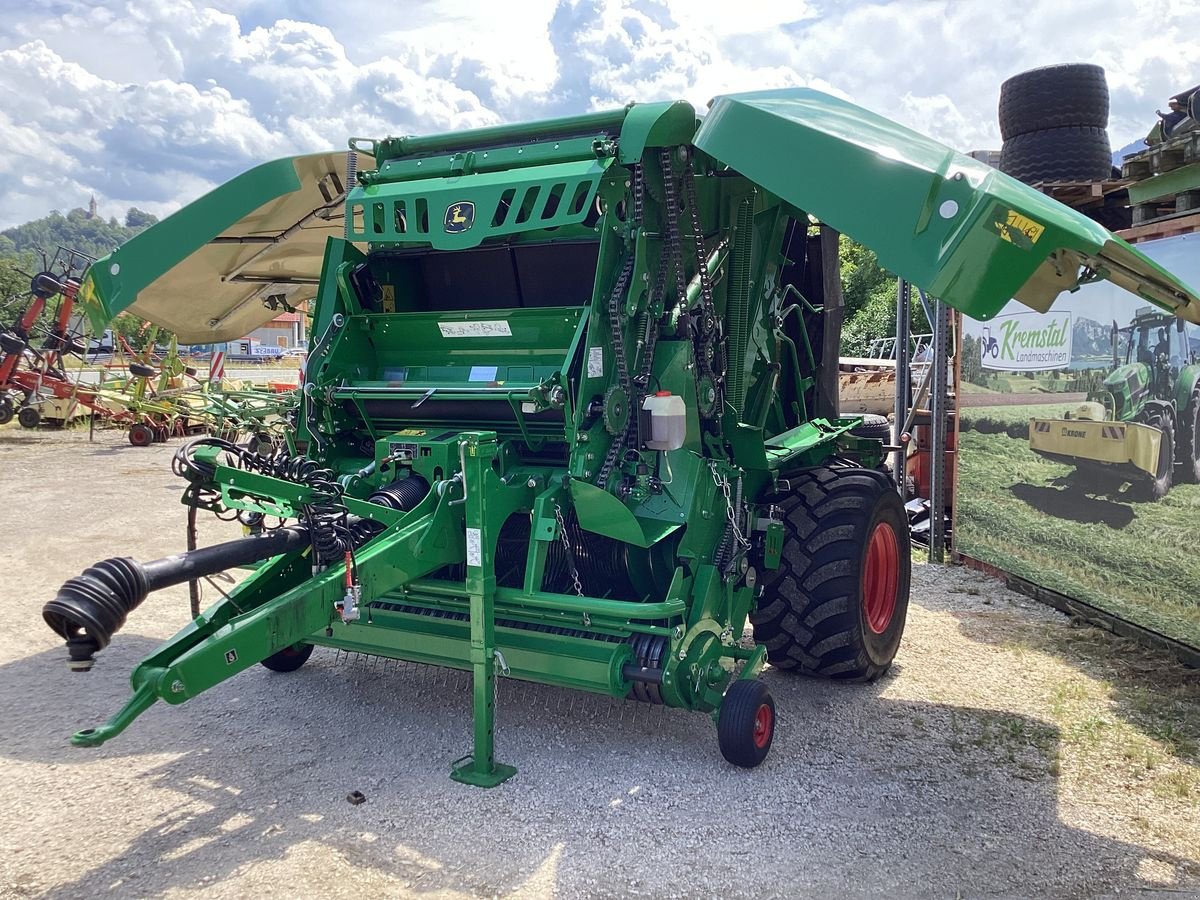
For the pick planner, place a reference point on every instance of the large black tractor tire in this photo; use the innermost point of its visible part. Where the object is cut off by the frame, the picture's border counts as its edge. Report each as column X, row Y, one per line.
column 1188, row 440
column 1073, row 153
column 1160, row 485
column 289, row 659
column 836, row 605
column 1053, row 97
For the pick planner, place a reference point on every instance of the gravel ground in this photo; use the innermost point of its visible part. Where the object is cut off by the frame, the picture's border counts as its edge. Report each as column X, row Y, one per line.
column 1007, row 754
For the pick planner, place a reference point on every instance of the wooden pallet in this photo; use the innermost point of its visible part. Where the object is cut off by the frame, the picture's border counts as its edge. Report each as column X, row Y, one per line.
column 1165, row 157
column 1167, row 226
column 1171, row 193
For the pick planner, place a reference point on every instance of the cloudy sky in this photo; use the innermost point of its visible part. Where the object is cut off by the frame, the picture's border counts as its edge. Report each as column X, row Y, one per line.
column 152, row 102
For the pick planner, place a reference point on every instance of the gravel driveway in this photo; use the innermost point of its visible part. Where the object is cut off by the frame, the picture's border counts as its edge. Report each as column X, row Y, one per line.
column 1008, row 753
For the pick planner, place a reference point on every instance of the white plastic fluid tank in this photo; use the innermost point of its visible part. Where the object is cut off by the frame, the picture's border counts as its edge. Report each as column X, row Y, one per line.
column 668, row 421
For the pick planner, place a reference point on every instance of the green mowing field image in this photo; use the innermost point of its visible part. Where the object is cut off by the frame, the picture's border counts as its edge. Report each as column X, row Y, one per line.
column 1053, row 525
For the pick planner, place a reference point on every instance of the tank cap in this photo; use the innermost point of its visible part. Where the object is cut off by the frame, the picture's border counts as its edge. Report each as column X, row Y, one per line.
column 662, row 393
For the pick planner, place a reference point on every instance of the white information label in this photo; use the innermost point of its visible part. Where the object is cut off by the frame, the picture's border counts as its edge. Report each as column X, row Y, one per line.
column 483, row 373
column 474, row 547
column 595, row 362
column 489, row 328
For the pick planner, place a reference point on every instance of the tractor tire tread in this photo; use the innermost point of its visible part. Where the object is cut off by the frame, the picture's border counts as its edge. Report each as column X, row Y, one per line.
column 809, row 617
column 1188, row 441
column 1053, row 97
column 1072, row 153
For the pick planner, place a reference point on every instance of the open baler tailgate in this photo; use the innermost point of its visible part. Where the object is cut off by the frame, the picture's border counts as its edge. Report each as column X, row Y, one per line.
column 206, row 271
column 961, row 230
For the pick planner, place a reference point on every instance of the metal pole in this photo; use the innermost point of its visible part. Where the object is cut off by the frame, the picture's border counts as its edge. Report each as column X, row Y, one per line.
column 903, row 381
column 832, row 306
column 937, row 411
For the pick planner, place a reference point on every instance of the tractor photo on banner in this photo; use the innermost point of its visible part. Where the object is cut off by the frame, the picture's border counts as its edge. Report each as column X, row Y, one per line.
column 1079, row 463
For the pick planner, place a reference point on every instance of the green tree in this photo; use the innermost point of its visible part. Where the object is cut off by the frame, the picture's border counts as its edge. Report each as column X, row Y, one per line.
column 12, row 282
column 869, row 295
column 972, row 364
column 138, row 219
column 75, row 231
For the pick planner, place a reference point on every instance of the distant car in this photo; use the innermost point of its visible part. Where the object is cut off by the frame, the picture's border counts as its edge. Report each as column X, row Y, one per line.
column 294, row 353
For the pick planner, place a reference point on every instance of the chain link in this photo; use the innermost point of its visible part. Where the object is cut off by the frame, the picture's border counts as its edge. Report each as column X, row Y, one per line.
column 706, row 344
column 732, row 504
column 616, row 319
column 562, row 536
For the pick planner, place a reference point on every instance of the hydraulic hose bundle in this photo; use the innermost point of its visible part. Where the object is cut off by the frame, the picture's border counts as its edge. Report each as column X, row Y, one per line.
column 333, row 531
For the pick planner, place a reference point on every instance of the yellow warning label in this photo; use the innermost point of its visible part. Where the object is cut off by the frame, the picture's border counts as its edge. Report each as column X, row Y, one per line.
column 389, row 298
column 412, row 432
column 1016, row 228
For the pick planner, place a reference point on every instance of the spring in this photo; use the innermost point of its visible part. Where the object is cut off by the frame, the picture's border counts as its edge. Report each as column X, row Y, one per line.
column 403, row 494
column 325, row 514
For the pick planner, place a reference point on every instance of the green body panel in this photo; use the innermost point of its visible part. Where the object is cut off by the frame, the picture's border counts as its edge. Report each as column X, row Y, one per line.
column 876, row 181
column 954, row 226
column 1128, row 385
column 113, row 283
column 1185, row 385
column 494, row 136
column 655, row 125
column 489, row 204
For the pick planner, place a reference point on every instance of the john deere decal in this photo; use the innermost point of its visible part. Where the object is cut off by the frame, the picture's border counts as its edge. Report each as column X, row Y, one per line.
column 459, row 216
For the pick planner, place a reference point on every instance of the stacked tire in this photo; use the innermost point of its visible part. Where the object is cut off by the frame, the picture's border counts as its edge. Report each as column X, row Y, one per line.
column 1054, row 124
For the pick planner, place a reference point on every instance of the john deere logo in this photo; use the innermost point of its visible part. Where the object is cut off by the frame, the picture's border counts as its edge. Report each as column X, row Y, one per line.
column 460, row 216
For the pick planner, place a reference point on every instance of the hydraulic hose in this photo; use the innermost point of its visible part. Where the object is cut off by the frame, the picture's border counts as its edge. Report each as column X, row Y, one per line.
column 91, row 607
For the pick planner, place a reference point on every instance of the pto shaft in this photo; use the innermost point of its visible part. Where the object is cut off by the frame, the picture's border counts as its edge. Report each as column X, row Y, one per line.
column 93, row 606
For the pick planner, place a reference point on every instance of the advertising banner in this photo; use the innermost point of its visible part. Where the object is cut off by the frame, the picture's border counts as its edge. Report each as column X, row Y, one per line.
column 1079, row 449
column 1026, row 341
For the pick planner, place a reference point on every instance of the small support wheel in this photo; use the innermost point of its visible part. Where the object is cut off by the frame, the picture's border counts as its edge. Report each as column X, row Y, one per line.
column 7, row 409
column 141, row 435
column 746, row 725
column 29, row 416
column 161, row 433
column 289, row 659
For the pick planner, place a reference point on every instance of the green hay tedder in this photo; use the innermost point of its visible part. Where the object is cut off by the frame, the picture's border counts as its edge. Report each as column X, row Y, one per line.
column 566, row 416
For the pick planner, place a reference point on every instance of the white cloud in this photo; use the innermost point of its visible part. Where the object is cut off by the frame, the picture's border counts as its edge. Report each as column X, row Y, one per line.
column 152, row 102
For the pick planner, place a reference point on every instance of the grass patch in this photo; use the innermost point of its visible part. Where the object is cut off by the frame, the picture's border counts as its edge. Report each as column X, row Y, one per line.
column 1177, row 784
column 1136, row 560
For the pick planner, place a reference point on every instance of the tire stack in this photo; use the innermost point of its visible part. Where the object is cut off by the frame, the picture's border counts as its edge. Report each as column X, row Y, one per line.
column 1054, row 124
